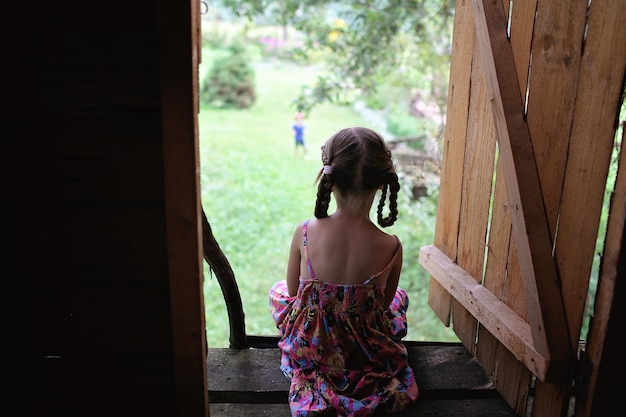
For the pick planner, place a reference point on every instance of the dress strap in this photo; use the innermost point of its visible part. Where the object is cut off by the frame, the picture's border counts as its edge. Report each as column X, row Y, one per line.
column 393, row 258
column 305, row 226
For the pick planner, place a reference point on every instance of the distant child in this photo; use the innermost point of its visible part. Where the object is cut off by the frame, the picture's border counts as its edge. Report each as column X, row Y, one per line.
column 298, row 128
column 340, row 312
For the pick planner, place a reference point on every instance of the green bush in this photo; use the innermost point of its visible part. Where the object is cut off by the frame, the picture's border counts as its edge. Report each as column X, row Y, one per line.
column 230, row 83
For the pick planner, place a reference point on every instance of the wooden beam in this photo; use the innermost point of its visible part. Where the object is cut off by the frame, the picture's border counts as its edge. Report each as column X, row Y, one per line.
column 179, row 89
column 451, row 180
column 542, row 287
column 495, row 316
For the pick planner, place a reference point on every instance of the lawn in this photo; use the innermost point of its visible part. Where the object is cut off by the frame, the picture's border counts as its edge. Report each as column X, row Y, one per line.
column 255, row 191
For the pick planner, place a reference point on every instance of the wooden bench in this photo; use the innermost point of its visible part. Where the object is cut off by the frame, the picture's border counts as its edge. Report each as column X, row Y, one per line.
column 248, row 382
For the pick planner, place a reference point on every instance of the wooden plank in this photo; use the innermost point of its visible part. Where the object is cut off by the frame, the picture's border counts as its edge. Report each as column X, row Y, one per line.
column 500, row 320
column 593, row 131
column 449, row 202
column 555, row 61
column 497, row 258
column 234, row 371
column 178, row 65
column 490, row 407
column 511, row 377
column 521, row 35
column 541, row 282
column 442, row 370
column 451, row 383
column 502, row 278
column 482, row 407
column 597, row 102
column 514, row 381
column 82, row 113
column 506, row 6
column 448, row 371
column 511, row 290
column 480, row 145
column 249, row 410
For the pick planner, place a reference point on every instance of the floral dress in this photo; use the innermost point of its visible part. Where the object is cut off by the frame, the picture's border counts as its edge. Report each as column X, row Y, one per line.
column 341, row 348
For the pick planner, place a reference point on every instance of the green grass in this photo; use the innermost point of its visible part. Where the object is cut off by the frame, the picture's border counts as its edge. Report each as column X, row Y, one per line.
column 255, row 191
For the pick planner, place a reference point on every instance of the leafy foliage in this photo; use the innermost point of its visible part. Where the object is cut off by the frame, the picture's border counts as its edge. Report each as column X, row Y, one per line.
column 364, row 39
column 231, row 81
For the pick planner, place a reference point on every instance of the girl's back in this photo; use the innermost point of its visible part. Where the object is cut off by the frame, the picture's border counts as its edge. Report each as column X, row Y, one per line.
column 341, row 341
column 348, row 250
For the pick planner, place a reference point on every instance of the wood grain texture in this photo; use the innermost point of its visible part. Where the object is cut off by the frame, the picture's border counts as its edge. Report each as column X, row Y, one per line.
column 476, row 191
column 555, row 60
column 598, row 98
column 530, row 228
column 598, row 94
column 178, row 66
column 522, row 21
column 503, row 276
column 482, row 407
column 495, row 316
column 449, row 202
column 451, row 383
column 503, row 280
column 555, row 56
column 439, row 369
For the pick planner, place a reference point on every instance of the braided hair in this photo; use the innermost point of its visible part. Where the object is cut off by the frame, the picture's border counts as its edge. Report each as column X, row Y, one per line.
column 356, row 162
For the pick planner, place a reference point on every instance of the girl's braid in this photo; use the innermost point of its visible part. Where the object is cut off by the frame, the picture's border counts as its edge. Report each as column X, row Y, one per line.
column 323, row 197
column 391, row 183
column 323, row 190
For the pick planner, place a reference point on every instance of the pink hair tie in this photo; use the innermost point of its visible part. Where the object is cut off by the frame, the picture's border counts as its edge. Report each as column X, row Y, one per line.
column 327, row 169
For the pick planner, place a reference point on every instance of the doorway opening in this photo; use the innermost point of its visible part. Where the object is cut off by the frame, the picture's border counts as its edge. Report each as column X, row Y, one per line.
column 256, row 188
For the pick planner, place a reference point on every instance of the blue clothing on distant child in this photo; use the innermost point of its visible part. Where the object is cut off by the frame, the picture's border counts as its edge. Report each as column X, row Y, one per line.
column 298, row 130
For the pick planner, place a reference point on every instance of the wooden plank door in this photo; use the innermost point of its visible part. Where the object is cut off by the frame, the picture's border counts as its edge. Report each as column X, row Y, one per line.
column 509, row 216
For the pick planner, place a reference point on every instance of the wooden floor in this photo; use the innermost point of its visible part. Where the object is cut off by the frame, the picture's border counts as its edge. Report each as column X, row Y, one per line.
column 248, row 382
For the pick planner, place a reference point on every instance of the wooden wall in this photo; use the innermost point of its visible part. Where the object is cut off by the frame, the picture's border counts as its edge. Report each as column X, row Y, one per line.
column 103, row 307
column 103, row 298
column 535, row 90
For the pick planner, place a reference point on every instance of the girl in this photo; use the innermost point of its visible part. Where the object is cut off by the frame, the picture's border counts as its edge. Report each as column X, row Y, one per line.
column 340, row 313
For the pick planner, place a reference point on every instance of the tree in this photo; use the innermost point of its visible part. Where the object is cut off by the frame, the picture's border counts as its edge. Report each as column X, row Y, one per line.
column 406, row 42
column 230, row 82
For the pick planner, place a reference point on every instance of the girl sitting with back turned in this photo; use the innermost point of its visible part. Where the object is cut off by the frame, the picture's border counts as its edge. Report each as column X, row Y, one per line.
column 340, row 313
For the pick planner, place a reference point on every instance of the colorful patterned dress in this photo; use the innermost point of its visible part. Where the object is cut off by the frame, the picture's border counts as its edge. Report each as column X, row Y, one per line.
column 341, row 349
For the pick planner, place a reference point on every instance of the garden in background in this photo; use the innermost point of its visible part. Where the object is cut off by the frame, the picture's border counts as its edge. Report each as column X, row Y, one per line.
column 255, row 189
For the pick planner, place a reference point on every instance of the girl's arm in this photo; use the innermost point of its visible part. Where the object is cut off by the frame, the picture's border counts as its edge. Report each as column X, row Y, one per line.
column 394, row 278
column 293, row 266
